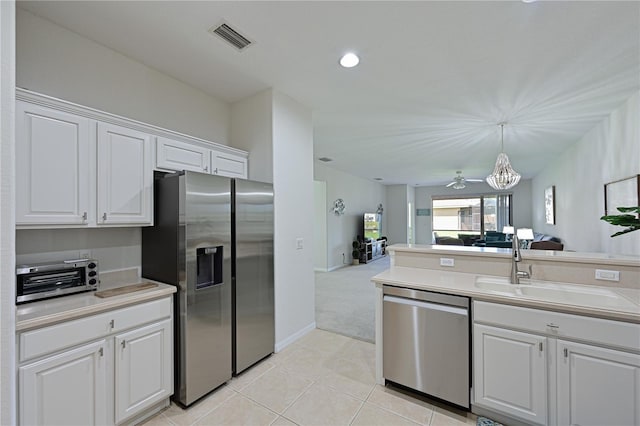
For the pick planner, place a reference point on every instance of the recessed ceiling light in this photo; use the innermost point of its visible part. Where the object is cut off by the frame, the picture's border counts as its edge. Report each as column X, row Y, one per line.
column 349, row 60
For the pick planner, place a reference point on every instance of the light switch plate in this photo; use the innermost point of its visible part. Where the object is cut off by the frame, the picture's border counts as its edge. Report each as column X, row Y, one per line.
column 607, row 275
column 299, row 243
column 446, row 261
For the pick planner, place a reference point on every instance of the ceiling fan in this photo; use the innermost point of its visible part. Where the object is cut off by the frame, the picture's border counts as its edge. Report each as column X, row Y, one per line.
column 459, row 181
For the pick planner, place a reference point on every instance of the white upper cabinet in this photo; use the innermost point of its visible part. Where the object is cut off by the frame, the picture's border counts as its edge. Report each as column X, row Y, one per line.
column 80, row 167
column 175, row 155
column 229, row 165
column 52, row 166
column 124, row 176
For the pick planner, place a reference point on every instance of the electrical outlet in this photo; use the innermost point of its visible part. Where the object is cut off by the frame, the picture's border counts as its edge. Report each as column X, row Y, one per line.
column 606, row 275
column 445, row 261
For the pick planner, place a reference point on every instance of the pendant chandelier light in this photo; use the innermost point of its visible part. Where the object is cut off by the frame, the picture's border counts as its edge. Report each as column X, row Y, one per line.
column 503, row 176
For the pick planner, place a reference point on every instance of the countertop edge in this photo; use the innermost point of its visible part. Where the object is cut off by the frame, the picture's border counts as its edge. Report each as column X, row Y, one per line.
column 529, row 302
column 542, row 255
column 107, row 305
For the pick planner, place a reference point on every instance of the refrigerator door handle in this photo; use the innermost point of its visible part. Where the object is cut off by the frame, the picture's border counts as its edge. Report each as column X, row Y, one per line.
column 209, row 266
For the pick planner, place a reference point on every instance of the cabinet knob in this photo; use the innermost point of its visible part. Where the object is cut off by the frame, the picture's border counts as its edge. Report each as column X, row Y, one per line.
column 215, row 170
column 101, row 352
column 104, row 216
column 206, row 168
column 84, row 216
column 123, row 344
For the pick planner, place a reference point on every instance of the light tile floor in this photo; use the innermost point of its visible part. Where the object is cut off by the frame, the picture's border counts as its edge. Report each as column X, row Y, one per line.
column 322, row 379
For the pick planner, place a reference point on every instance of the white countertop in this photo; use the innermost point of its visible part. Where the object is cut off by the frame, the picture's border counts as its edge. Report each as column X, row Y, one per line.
column 464, row 284
column 50, row 311
column 562, row 256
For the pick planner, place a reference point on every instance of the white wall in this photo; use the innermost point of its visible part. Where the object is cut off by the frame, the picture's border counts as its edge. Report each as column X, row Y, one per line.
column 63, row 64
column 320, row 226
column 521, row 204
column 411, row 198
column 60, row 63
column 252, row 131
column 293, row 204
column 360, row 196
column 608, row 152
column 7, row 214
column 396, row 212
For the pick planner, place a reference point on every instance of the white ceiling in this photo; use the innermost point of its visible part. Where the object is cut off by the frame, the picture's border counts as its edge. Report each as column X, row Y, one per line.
column 434, row 79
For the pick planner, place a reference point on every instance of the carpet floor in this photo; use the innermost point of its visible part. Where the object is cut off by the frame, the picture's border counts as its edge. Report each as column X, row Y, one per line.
column 345, row 299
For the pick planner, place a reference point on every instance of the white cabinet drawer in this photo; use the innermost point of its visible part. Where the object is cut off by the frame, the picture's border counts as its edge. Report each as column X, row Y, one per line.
column 618, row 334
column 51, row 339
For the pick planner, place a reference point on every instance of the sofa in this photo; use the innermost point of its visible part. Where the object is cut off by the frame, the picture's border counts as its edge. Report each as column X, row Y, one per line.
column 493, row 239
column 539, row 242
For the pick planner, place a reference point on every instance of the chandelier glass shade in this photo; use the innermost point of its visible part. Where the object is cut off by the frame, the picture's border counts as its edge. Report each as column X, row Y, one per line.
column 503, row 176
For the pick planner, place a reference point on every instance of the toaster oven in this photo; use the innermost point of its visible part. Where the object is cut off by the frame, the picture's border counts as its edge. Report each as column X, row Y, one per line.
column 45, row 280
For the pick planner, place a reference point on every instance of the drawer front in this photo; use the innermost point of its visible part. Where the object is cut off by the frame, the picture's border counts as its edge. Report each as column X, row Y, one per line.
column 619, row 334
column 42, row 341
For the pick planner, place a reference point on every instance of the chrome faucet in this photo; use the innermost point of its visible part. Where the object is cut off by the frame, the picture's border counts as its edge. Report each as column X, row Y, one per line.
column 515, row 258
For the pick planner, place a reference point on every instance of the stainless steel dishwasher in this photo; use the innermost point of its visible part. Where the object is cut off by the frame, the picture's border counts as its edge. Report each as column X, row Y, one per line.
column 426, row 342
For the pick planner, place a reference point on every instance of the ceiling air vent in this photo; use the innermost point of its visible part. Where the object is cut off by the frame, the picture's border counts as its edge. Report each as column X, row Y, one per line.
column 231, row 36
column 325, row 159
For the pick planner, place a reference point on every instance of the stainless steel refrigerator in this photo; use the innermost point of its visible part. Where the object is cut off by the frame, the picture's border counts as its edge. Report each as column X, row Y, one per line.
column 213, row 238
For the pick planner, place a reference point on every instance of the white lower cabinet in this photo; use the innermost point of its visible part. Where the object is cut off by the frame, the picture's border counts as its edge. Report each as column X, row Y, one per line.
column 510, row 372
column 65, row 389
column 597, row 386
column 529, row 367
column 122, row 369
column 143, row 368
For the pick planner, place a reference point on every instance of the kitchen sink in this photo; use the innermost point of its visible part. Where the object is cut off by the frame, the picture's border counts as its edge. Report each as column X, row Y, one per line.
column 572, row 294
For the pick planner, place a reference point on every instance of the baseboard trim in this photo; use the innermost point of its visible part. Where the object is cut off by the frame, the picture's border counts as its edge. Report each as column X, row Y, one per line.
column 295, row 336
column 320, row 270
column 333, row 268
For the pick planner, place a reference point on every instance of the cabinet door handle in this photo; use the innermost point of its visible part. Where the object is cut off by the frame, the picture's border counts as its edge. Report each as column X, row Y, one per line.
column 112, row 323
column 101, row 352
column 566, row 353
column 540, row 346
column 553, row 326
column 84, row 216
column 215, row 170
column 206, row 168
column 124, row 344
column 104, row 217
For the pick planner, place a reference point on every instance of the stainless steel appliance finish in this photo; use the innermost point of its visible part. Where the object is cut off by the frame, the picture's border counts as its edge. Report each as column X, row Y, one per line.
column 192, row 246
column 52, row 279
column 426, row 343
column 253, row 274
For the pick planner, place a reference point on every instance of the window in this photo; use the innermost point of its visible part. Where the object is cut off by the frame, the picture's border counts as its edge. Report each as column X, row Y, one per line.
column 468, row 218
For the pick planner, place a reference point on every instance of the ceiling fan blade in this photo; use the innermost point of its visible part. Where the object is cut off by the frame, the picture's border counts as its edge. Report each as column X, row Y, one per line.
column 452, row 183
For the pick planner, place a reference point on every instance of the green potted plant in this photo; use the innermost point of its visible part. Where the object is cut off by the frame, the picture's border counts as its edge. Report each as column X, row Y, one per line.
column 355, row 253
column 631, row 221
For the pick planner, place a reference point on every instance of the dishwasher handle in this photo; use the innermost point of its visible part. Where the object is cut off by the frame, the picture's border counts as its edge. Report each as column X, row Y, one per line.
column 427, row 305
